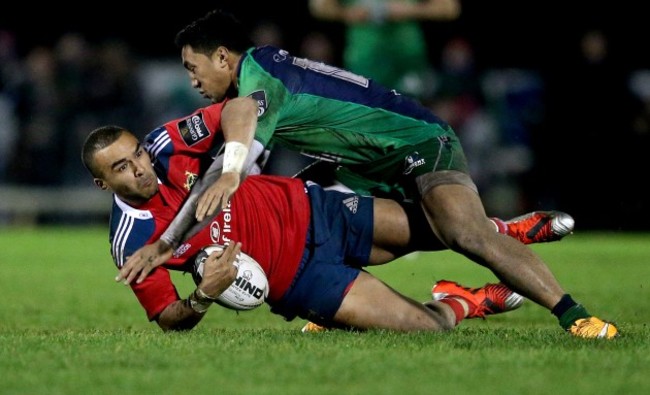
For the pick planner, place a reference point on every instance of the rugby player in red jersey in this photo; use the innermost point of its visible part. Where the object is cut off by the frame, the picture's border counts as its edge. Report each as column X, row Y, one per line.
column 311, row 243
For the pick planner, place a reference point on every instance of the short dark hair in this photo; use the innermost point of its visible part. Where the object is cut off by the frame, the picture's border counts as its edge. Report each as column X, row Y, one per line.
column 98, row 139
column 216, row 28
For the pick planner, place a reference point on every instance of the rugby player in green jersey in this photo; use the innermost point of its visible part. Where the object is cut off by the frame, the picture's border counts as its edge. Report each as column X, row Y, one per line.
column 377, row 138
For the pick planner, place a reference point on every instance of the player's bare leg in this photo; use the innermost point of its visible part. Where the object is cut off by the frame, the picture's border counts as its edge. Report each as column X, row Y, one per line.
column 458, row 218
column 392, row 232
column 372, row 304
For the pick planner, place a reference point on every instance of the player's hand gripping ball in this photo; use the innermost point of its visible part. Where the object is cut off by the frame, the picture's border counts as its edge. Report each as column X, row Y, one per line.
column 248, row 291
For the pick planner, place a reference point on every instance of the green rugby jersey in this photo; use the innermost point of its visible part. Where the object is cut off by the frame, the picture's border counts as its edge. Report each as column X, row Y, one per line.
column 328, row 113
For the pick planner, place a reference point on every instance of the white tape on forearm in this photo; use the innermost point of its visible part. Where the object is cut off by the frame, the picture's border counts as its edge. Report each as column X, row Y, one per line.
column 234, row 157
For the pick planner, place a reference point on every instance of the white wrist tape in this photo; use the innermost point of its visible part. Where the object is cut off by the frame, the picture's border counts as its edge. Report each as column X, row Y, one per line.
column 234, row 157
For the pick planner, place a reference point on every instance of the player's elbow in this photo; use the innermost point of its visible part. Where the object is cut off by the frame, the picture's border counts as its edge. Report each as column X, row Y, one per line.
column 176, row 318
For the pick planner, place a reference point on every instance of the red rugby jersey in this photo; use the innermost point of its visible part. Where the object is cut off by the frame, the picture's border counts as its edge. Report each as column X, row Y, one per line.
column 269, row 215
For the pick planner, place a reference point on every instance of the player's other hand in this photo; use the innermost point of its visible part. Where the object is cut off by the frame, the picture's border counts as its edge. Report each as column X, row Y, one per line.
column 143, row 261
column 220, row 270
column 217, row 196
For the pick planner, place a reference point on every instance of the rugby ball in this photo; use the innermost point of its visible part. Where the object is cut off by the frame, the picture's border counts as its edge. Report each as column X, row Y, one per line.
column 248, row 291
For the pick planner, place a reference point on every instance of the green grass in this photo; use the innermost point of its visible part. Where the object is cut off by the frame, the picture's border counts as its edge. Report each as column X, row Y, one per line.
column 67, row 328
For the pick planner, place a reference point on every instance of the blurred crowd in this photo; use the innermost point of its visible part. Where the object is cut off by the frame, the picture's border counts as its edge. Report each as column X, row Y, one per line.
column 51, row 97
column 536, row 138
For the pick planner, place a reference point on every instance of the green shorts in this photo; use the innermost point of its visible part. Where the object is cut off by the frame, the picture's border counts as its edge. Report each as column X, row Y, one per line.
column 395, row 175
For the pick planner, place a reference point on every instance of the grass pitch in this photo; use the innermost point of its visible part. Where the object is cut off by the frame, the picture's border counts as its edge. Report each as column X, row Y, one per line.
column 67, row 328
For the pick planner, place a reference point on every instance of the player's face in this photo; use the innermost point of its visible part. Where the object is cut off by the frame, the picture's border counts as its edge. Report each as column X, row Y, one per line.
column 127, row 170
column 210, row 75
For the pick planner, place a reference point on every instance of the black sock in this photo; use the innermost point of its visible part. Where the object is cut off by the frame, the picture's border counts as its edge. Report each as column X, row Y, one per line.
column 568, row 311
column 563, row 305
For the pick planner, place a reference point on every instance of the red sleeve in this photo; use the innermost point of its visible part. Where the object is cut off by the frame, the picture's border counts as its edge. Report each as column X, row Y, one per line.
column 156, row 292
column 198, row 133
column 195, row 139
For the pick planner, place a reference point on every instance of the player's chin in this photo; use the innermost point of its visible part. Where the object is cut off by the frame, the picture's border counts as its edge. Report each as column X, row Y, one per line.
column 151, row 189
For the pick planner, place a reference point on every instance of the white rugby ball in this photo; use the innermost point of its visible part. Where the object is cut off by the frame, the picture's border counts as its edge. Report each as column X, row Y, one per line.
column 248, row 291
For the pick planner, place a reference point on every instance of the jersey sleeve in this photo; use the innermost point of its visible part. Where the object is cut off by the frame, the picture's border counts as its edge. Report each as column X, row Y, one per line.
column 269, row 92
column 156, row 292
column 193, row 135
column 131, row 229
column 160, row 148
column 197, row 133
column 182, row 149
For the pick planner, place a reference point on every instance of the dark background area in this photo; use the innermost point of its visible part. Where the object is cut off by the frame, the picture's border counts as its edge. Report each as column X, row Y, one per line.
column 588, row 161
column 505, row 33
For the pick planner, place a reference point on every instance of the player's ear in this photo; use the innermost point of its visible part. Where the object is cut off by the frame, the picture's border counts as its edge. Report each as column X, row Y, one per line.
column 221, row 54
column 100, row 183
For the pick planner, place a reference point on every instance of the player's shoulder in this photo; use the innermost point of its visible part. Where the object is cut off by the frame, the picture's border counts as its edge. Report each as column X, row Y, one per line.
column 156, row 141
column 181, row 124
column 265, row 51
column 130, row 228
column 185, row 131
column 267, row 57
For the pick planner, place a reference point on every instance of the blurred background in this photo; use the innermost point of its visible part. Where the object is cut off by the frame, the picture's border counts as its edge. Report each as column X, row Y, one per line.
column 552, row 104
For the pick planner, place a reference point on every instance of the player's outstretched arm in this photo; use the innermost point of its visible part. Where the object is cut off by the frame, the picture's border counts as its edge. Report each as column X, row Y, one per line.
column 143, row 261
column 218, row 274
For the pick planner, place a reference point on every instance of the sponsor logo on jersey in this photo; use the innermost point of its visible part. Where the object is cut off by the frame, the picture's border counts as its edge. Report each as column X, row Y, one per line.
column 221, row 234
column 215, row 231
column 262, row 104
column 227, row 219
column 352, row 203
column 190, row 179
column 412, row 161
column 281, row 56
column 182, row 249
column 193, row 129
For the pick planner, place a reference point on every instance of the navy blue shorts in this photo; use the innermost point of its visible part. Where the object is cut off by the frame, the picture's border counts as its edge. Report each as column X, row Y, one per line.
column 338, row 245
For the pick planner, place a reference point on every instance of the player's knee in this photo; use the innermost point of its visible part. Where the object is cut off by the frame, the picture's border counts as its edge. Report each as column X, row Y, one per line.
column 468, row 239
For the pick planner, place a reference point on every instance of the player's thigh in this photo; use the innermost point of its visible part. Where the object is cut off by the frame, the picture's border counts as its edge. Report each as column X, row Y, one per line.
column 399, row 229
column 372, row 304
column 456, row 212
column 391, row 223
